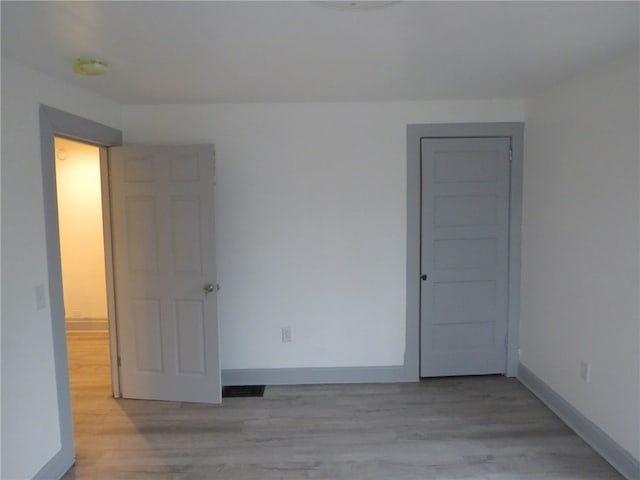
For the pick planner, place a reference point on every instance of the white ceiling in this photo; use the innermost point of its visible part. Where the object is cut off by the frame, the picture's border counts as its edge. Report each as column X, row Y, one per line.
column 208, row 52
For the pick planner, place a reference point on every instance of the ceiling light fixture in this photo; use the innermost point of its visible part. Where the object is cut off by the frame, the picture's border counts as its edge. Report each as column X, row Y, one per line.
column 90, row 66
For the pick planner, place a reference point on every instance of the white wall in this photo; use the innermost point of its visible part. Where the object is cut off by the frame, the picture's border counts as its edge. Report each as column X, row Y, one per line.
column 80, row 222
column 30, row 430
column 311, row 227
column 580, row 245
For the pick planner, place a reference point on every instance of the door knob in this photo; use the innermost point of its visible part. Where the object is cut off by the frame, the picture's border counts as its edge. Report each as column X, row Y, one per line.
column 209, row 288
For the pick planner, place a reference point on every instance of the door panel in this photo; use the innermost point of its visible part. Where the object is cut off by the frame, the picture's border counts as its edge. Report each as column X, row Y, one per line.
column 141, row 240
column 163, row 230
column 190, row 327
column 464, row 251
column 145, row 316
column 185, row 234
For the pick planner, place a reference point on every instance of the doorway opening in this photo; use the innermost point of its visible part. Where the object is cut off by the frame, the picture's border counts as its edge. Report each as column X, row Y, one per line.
column 54, row 122
column 80, row 193
column 78, row 186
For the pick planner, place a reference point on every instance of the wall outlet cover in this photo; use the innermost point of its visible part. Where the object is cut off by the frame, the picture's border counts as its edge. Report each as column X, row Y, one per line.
column 585, row 371
column 286, row 334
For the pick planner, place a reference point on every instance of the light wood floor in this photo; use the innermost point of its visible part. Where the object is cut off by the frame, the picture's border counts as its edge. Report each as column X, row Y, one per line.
column 451, row 428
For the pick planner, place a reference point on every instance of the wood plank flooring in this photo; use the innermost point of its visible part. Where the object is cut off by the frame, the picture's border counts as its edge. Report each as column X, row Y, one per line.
column 488, row 428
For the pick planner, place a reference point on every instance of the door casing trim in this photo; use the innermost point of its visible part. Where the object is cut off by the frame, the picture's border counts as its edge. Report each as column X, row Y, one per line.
column 54, row 122
column 415, row 132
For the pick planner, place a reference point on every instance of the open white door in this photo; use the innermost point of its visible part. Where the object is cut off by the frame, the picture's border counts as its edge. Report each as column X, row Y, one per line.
column 162, row 210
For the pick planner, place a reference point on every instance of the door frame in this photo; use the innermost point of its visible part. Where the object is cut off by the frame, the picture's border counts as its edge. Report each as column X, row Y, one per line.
column 110, row 278
column 415, row 133
column 54, row 122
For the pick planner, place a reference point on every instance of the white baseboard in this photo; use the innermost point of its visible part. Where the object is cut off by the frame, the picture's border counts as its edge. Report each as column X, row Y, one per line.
column 84, row 324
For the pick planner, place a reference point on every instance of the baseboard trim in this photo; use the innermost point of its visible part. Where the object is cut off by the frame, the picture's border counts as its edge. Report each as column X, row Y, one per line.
column 56, row 467
column 86, row 324
column 602, row 443
column 302, row 376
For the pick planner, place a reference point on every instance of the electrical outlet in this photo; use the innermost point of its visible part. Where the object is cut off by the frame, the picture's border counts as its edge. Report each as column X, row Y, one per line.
column 286, row 334
column 585, row 371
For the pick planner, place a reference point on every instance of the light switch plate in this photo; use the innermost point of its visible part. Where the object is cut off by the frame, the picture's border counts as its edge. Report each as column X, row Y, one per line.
column 41, row 298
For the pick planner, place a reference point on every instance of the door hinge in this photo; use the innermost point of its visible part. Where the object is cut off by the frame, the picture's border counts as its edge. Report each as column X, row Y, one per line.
column 119, row 361
column 510, row 155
